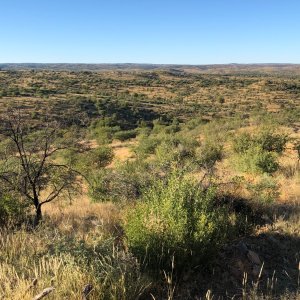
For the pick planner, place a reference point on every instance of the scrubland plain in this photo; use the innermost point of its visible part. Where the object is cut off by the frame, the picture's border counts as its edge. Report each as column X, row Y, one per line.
column 169, row 182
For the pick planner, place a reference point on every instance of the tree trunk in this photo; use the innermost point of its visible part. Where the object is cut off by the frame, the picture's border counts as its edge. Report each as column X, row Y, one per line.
column 38, row 216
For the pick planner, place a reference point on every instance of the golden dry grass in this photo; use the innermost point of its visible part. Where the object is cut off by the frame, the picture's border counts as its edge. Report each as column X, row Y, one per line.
column 57, row 255
column 82, row 216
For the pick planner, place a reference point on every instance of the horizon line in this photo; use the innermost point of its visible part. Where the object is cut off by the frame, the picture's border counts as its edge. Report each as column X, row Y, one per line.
column 148, row 63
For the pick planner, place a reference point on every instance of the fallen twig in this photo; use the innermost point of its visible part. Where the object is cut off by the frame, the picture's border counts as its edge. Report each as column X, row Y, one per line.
column 44, row 293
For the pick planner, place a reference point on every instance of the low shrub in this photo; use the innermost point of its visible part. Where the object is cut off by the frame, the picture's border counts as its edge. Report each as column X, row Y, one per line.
column 209, row 154
column 242, row 143
column 177, row 150
column 272, row 142
column 176, row 220
column 99, row 188
column 100, row 157
column 12, row 209
column 265, row 191
column 258, row 153
column 147, row 145
column 125, row 135
column 266, row 162
column 256, row 160
column 125, row 183
column 104, row 133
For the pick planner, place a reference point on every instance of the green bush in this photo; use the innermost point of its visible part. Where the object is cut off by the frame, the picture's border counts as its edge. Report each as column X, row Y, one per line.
column 272, row 142
column 125, row 135
column 125, row 183
column 193, row 123
column 103, row 130
column 103, row 135
column 174, row 127
column 147, row 145
column 258, row 153
column 167, row 154
column 100, row 157
column 100, row 185
column 176, row 220
column 266, row 162
column 12, row 209
column 242, row 143
column 177, row 150
column 257, row 160
column 158, row 126
column 265, row 191
column 209, row 154
column 266, row 140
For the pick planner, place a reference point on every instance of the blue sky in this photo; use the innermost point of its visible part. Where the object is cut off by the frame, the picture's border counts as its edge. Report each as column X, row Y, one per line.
column 153, row 31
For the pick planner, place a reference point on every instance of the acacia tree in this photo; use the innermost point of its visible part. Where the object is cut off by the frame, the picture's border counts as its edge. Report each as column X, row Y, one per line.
column 29, row 167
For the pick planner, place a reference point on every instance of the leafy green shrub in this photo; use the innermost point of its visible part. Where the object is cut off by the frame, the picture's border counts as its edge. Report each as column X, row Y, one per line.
column 266, row 140
column 125, row 135
column 258, row 153
column 167, row 154
column 265, row 191
column 70, row 156
column 266, row 162
column 209, row 154
column 125, row 183
column 100, row 157
column 100, row 185
column 177, row 220
column 193, row 123
column 175, row 149
column 173, row 128
column 158, row 126
column 272, row 142
column 103, row 135
column 257, row 160
column 91, row 161
column 147, row 145
column 103, row 130
column 242, row 143
column 12, row 209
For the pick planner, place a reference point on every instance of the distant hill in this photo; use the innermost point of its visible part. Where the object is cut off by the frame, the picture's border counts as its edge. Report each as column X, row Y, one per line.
column 292, row 69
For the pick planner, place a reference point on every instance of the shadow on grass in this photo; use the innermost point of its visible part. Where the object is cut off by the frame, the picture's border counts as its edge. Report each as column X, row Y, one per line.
column 264, row 265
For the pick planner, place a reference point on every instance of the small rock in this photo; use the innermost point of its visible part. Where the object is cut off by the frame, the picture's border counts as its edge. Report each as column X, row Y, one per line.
column 253, row 257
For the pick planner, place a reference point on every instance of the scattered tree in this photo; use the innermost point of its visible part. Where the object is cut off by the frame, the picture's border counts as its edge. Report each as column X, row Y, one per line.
column 28, row 166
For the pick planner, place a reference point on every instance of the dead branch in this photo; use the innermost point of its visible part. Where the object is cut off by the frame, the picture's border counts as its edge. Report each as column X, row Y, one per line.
column 44, row 293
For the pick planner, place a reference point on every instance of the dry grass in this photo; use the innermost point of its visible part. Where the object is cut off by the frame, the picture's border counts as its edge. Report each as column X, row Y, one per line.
column 82, row 216
column 60, row 254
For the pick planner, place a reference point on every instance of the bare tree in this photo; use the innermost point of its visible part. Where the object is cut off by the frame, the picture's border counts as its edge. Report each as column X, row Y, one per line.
column 29, row 165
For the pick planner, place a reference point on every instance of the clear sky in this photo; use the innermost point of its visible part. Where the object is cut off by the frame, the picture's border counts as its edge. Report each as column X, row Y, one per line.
column 150, row 31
